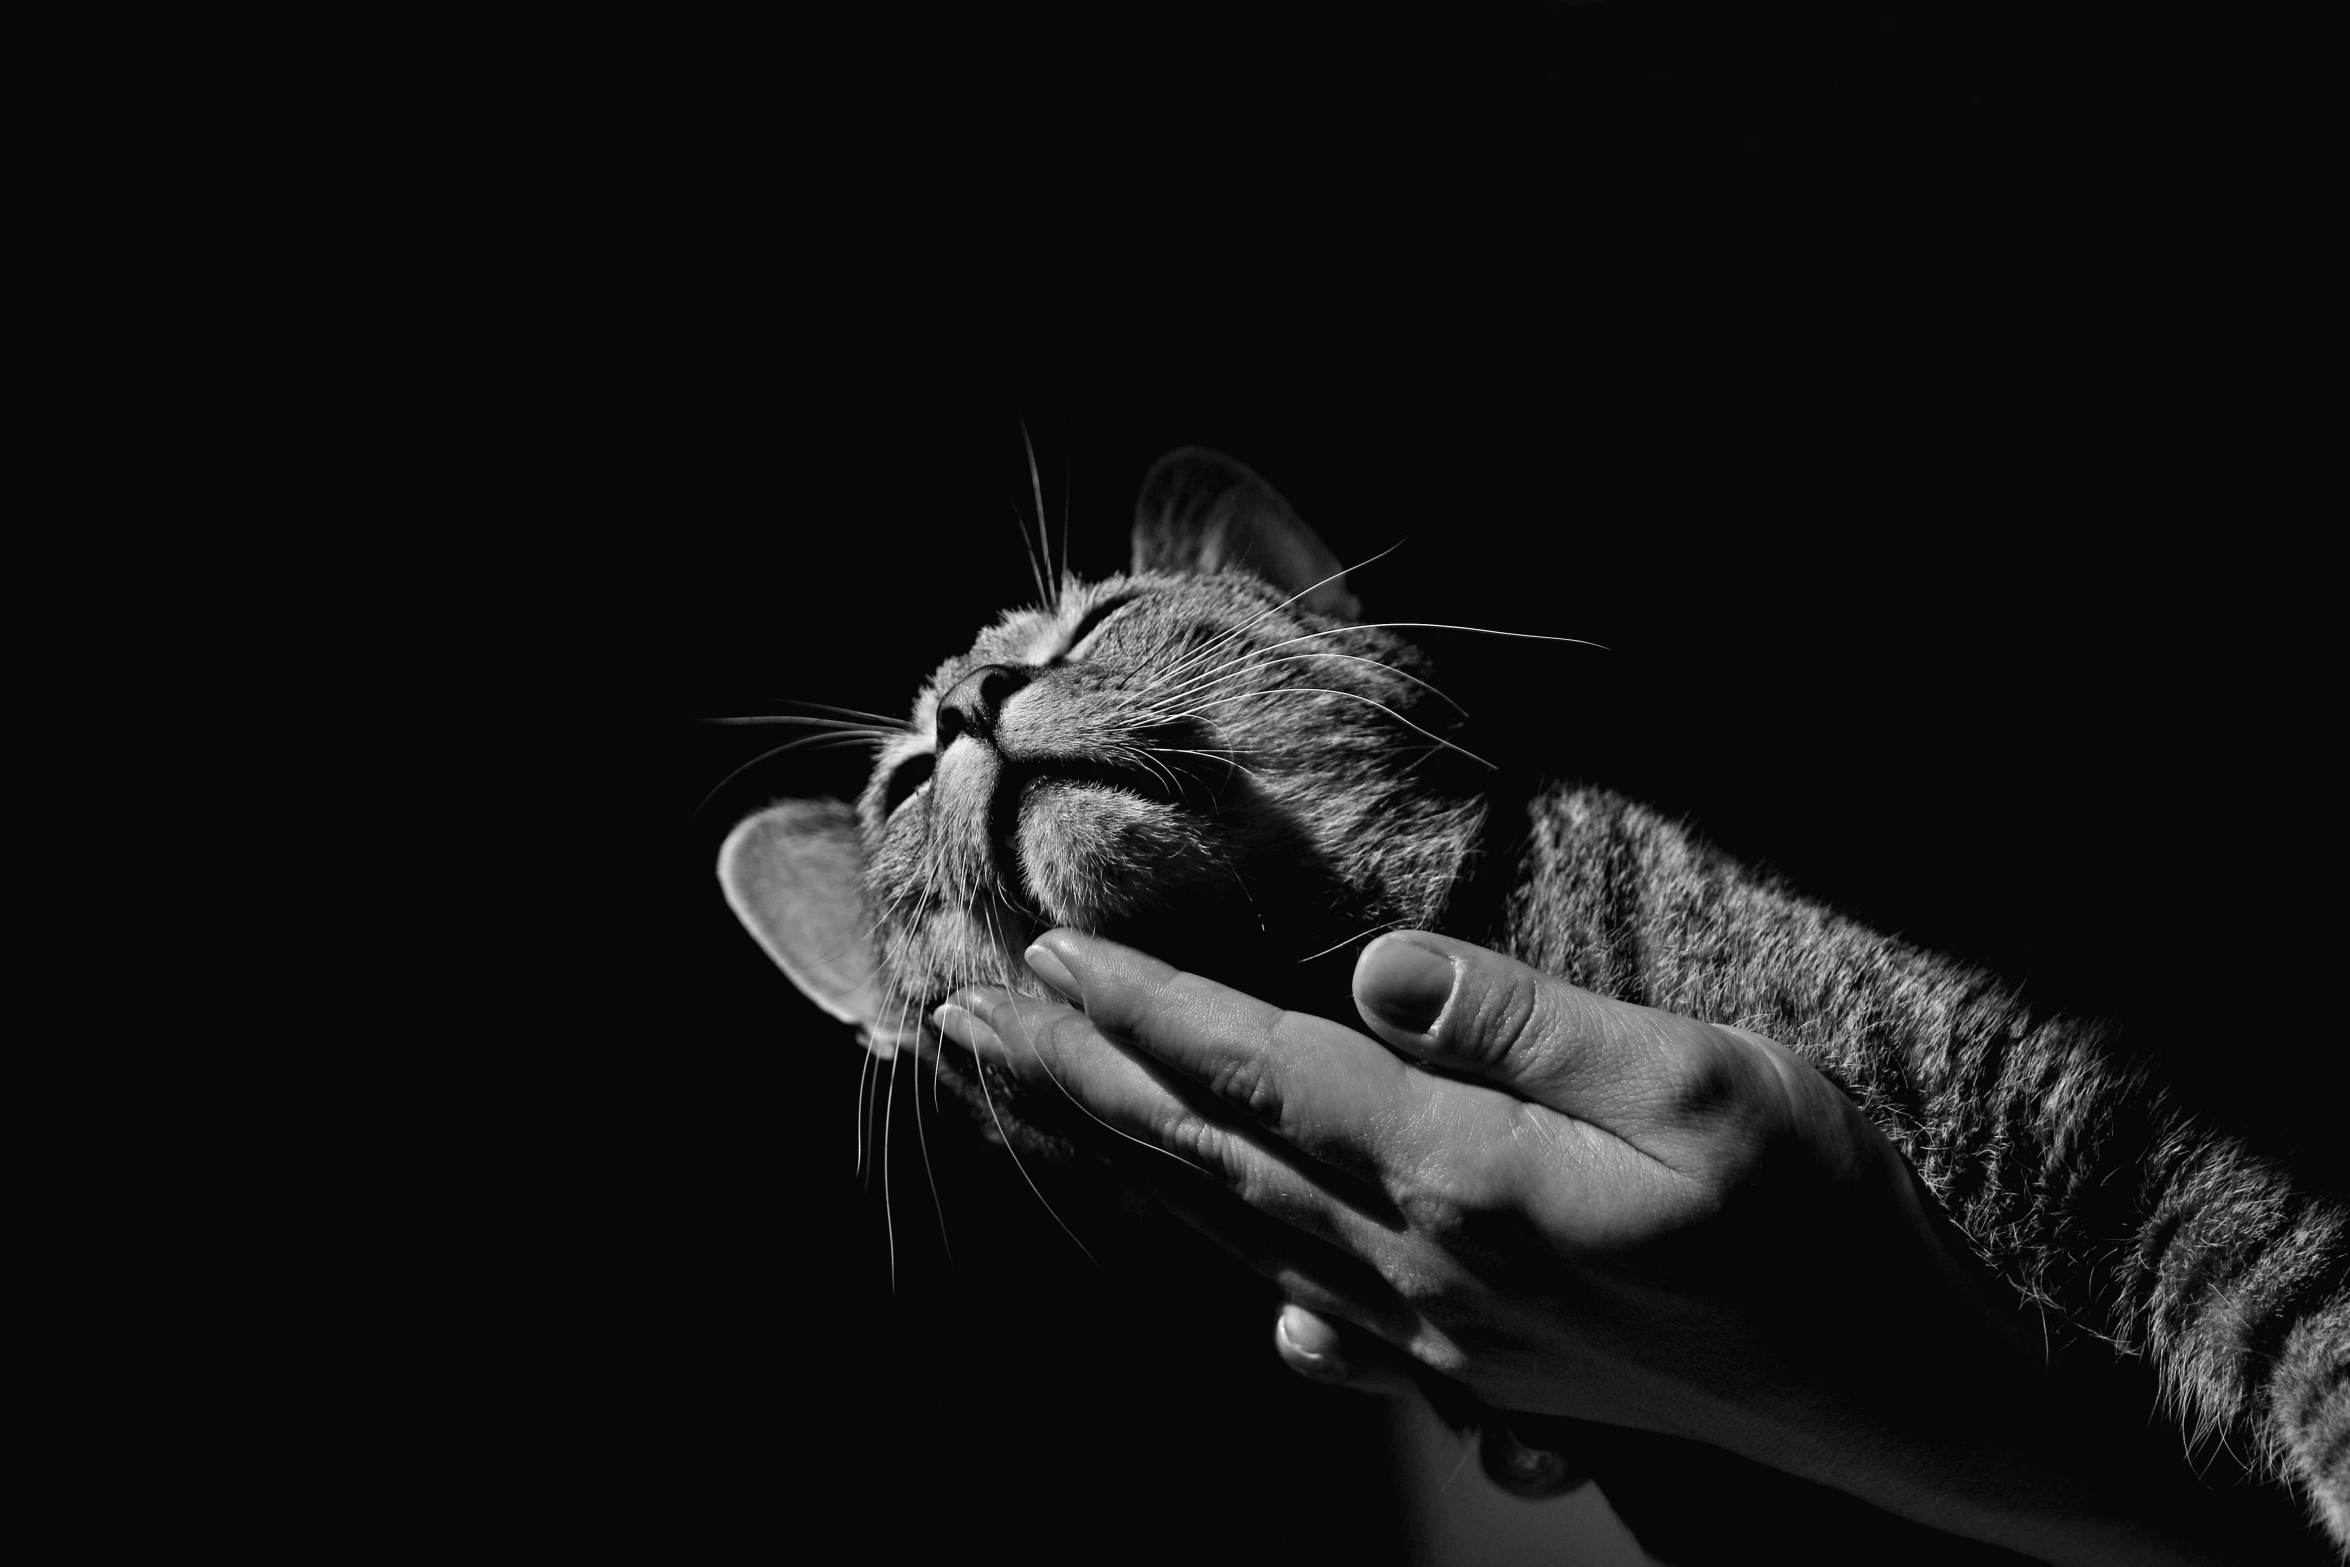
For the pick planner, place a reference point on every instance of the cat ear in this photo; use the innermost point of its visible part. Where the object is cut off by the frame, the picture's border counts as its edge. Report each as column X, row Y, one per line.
column 791, row 874
column 1201, row 511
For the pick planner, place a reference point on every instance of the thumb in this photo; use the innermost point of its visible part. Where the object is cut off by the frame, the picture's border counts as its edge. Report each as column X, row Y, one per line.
column 1463, row 1009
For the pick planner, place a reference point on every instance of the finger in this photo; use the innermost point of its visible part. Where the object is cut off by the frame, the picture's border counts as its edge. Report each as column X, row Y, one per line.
column 1378, row 1327
column 1621, row 1067
column 1049, row 1045
column 1320, row 1087
column 1321, row 1349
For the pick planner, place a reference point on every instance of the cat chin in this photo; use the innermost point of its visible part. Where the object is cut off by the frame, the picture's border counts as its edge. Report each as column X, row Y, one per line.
column 958, row 947
column 1097, row 857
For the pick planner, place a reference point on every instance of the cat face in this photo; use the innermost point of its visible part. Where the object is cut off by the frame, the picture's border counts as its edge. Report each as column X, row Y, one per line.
column 1147, row 757
column 1208, row 757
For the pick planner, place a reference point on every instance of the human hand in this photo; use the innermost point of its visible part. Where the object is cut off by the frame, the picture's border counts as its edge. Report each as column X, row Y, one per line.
column 1584, row 1208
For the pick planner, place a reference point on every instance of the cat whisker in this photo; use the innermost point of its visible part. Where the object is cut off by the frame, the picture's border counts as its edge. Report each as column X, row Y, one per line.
column 1257, row 659
column 877, row 731
column 937, row 1069
column 1068, row 578
column 981, row 1074
column 1105, row 1125
column 921, row 908
column 1214, row 756
column 996, row 887
column 823, row 743
column 1249, row 663
column 1091, row 1114
column 1146, row 721
column 1048, row 596
column 889, row 1106
column 1241, row 882
column 825, row 740
column 867, row 1105
column 1214, row 642
column 1355, row 697
column 1142, row 755
column 864, row 1134
column 1350, row 940
column 922, row 1137
column 1035, row 571
column 927, row 895
column 1431, row 625
column 1191, row 672
column 1167, row 690
column 885, row 720
column 1182, row 666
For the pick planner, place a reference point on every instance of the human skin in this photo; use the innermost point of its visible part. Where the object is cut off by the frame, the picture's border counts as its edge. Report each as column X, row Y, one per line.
column 1579, row 1207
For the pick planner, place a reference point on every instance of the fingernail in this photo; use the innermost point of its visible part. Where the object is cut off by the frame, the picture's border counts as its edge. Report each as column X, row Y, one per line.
column 1307, row 1335
column 1404, row 983
column 967, row 1030
column 1310, row 1345
column 1053, row 971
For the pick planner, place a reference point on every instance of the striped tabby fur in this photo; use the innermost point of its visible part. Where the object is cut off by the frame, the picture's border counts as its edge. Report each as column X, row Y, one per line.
column 2097, row 1197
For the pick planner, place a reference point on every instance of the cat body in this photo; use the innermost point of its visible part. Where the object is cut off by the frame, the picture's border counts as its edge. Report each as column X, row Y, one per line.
column 1212, row 758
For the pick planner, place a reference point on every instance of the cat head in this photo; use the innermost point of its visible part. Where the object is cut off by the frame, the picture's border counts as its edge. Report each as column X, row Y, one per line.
column 1209, row 757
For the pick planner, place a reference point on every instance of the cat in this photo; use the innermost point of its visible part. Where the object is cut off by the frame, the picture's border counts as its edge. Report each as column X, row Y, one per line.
column 1215, row 758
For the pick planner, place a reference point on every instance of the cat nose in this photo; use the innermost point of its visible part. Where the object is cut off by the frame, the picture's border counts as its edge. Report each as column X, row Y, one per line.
column 972, row 706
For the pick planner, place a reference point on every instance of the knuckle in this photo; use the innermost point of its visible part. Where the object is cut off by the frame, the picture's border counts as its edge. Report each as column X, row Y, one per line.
column 1505, row 1022
column 1416, row 1285
column 1429, row 1215
column 1705, row 1084
column 1248, row 1082
column 1717, row 1083
column 1186, row 1135
column 1720, row 1101
column 1203, row 1144
column 1441, row 1201
column 1472, row 1189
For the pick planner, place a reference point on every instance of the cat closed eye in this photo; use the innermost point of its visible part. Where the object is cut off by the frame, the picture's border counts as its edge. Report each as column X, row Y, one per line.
column 1094, row 619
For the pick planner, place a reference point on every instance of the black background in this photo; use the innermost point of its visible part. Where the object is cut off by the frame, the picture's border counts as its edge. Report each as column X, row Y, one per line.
column 1912, row 401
